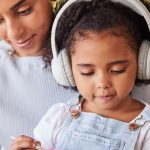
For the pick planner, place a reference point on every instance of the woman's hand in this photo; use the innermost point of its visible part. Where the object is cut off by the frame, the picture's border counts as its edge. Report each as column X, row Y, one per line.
column 24, row 142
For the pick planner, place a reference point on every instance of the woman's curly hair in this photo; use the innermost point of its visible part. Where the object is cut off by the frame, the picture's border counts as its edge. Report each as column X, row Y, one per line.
column 57, row 4
column 146, row 3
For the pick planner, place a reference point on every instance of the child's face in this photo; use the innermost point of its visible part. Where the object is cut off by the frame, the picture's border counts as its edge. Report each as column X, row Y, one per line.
column 104, row 68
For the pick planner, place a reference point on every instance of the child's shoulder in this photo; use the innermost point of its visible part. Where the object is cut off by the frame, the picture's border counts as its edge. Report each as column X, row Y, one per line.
column 58, row 112
column 58, row 109
column 144, row 123
column 145, row 114
column 143, row 119
column 64, row 107
column 51, row 124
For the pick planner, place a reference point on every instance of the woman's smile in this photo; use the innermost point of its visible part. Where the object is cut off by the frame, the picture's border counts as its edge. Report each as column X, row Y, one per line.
column 21, row 20
column 23, row 44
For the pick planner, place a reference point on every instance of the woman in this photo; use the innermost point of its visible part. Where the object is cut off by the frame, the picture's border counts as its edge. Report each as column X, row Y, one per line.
column 27, row 86
column 104, row 116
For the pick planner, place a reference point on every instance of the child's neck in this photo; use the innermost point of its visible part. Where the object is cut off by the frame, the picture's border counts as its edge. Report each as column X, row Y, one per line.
column 126, row 112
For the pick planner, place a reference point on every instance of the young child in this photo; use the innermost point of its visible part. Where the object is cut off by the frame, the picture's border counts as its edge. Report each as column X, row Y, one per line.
column 28, row 88
column 101, row 40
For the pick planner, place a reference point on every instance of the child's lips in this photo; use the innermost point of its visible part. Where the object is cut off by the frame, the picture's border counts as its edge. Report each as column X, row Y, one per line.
column 105, row 98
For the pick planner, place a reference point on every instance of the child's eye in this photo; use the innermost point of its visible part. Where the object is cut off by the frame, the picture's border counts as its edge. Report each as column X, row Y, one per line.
column 87, row 74
column 25, row 12
column 117, row 71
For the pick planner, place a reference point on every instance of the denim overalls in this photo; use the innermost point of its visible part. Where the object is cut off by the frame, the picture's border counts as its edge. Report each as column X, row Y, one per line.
column 93, row 132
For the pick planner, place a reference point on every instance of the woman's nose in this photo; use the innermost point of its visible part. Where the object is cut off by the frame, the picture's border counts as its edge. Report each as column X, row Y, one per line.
column 14, row 30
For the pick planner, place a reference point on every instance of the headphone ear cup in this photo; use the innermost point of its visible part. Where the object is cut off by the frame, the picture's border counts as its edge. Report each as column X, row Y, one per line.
column 144, row 61
column 61, row 69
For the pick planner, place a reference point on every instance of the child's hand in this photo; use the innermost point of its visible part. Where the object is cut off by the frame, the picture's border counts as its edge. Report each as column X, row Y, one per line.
column 24, row 142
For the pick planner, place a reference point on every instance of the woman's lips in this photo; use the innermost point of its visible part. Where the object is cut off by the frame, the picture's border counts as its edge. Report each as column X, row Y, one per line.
column 24, row 43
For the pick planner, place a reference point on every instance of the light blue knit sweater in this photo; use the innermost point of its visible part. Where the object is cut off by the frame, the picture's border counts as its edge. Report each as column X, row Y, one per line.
column 27, row 90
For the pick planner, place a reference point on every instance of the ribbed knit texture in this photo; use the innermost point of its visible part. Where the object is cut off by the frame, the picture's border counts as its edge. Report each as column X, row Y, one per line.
column 27, row 90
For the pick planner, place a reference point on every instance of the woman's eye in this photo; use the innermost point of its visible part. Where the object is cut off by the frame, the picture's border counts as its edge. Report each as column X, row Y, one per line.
column 87, row 74
column 117, row 71
column 25, row 12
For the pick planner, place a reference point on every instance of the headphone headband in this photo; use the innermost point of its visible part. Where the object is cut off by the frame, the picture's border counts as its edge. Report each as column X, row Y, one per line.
column 53, row 32
column 138, row 7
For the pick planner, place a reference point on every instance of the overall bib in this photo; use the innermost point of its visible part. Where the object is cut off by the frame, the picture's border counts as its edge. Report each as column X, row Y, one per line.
column 93, row 132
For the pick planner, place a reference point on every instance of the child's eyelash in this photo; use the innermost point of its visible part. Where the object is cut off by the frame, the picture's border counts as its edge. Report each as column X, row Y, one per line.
column 117, row 71
column 87, row 74
column 112, row 71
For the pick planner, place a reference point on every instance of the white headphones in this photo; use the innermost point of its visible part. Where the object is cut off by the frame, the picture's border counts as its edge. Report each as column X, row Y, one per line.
column 61, row 68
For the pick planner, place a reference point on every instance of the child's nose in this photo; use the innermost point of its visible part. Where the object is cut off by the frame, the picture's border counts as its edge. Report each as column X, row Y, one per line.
column 103, row 81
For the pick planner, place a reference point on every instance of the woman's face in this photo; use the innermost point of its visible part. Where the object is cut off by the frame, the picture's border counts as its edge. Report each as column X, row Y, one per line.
column 25, row 24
